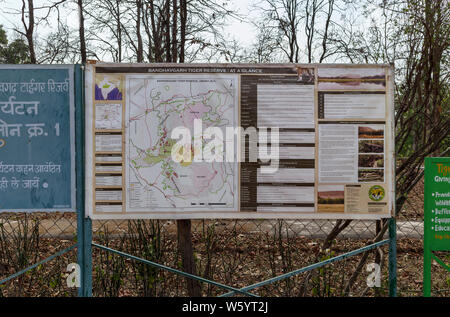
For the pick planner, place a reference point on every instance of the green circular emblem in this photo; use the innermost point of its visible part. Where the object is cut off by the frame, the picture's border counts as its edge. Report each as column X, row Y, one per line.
column 376, row 193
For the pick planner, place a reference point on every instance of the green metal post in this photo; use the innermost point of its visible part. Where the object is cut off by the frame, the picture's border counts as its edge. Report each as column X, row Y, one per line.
column 84, row 225
column 87, row 278
column 426, row 239
column 392, row 257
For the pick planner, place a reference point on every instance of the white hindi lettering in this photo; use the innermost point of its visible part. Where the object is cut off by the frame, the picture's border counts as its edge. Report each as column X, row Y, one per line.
column 9, row 129
column 35, row 129
column 54, row 168
column 13, row 107
column 8, row 87
column 25, row 169
column 62, row 86
column 30, row 183
column 33, row 107
column 51, row 85
column 6, row 168
column 5, row 104
column 32, row 87
column 48, row 167
column 3, row 183
column 14, row 183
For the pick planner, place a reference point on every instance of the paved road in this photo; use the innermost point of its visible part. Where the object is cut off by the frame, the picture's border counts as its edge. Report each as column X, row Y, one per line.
column 66, row 228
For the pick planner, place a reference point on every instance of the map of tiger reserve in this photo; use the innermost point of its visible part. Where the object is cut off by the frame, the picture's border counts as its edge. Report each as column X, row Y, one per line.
column 157, row 104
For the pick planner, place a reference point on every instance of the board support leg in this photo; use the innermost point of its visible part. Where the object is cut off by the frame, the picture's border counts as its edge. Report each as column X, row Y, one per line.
column 84, row 225
column 392, row 257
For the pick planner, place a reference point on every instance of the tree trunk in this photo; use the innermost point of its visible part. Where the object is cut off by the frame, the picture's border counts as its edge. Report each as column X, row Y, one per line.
column 184, row 226
column 174, row 31
column 187, row 253
column 29, row 29
column 140, row 46
column 81, row 32
column 183, row 21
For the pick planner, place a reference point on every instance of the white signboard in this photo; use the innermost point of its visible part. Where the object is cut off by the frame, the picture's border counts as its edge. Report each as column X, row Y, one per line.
column 185, row 141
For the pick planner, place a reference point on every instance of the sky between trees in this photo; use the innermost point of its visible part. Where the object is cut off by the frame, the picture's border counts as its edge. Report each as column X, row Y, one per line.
column 241, row 27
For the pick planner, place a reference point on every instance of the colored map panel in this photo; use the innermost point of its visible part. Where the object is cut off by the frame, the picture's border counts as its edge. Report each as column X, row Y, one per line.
column 37, row 138
column 157, row 106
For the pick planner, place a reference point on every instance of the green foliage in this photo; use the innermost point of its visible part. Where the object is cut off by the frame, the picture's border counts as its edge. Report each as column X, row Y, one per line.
column 322, row 279
column 19, row 248
column 109, row 270
column 145, row 242
column 15, row 52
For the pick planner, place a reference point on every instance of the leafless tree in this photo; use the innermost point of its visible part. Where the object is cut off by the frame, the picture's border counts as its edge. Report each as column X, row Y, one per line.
column 81, row 31
column 264, row 49
column 415, row 36
column 28, row 23
column 286, row 18
column 106, row 26
column 282, row 18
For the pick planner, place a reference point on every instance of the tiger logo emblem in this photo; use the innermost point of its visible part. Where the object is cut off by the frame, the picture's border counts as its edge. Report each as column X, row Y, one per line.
column 376, row 193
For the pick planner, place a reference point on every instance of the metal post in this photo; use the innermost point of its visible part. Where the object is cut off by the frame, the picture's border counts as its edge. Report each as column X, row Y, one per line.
column 426, row 240
column 87, row 277
column 392, row 257
column 84, row 226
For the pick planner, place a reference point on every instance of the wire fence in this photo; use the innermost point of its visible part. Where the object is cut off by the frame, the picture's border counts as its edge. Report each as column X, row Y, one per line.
column 232, row 252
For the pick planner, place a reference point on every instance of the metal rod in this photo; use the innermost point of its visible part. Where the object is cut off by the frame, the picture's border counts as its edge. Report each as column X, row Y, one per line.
column 444, row 265
column 84, row 226
column 426, row 237
column 38, row 263
column 198, row 278
column 312, row 266
column 392, row 257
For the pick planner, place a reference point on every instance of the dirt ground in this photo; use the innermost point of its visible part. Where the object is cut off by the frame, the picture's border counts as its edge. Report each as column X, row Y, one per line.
column 238, row 262
column 233, row 253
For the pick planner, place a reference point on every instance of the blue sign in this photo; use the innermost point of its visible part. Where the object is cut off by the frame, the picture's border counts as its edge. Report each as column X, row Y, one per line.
column 37, row 138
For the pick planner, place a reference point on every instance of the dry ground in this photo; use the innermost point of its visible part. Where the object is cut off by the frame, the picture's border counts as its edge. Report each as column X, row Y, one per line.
column 233, row 253
column 238, row 260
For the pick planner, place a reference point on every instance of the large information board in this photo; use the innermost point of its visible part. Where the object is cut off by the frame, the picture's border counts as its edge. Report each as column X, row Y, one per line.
column 37, row 165
column 239, row 141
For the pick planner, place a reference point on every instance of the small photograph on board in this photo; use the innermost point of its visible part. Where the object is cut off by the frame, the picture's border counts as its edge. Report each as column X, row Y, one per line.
column 376, row 73
column 331, row 198
column 108, row 87
column 371, row 160
column 306, row 75
column 370, row 175
column 371, row 146
column 371, row 132
column 352, row 85
column 108, row 116
column 351, row 79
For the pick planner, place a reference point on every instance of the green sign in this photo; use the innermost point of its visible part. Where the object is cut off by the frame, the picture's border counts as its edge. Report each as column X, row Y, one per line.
column 436, row 214
column 437, row 203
